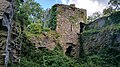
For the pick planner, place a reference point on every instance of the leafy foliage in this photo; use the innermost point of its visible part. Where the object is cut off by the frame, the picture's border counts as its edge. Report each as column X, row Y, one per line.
column 109, row 54
column 114, row 17
column 53, row 18
column 45, row 58
column 28, row 12
column 35, row 28
column 115, row 3
column 94, row 16
column 108, row 11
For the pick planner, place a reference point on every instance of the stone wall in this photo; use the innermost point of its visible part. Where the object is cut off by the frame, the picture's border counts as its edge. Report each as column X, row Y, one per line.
column 10, row 34
column 48, row 40
column 102, row 38
column 3, row 37
column 67, row 21
column 68, row 25
column 104, row 21
column 98, row 23
column 4, row 12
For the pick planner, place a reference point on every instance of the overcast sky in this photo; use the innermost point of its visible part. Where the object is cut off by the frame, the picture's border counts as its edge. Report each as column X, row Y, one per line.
column 91, row 5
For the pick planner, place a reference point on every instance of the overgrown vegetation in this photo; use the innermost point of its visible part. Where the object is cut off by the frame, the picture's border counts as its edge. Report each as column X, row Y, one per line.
column 32, row 57
column 53, row 19
column 105, row 44
column 30, row 18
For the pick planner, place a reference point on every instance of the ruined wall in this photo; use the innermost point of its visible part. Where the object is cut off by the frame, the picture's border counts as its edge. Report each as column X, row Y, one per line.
column 68, row 19
column 104, row 21
column 102, row 32
column 10, row 31
column 98, row 23
column 102, row 38
column 48, row 40
column 4, row 12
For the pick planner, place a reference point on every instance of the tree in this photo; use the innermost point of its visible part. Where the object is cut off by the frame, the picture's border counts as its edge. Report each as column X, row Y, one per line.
column 28, row 12
column 108, row 11
column 94, row 16
column 115, row 3
column 33, row 9
column 89, row 19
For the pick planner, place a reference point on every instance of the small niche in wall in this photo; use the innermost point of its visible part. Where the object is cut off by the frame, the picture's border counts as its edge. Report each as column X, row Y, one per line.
column 81, row 14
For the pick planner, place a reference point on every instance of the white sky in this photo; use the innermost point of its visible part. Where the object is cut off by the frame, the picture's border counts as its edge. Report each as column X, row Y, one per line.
column 91, row 5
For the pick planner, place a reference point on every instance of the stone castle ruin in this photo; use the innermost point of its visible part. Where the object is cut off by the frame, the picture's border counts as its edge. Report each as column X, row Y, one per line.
column 69, row 24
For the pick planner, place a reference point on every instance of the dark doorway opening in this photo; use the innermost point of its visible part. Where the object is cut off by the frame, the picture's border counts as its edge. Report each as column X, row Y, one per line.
column 68, row 50
column 81, row 27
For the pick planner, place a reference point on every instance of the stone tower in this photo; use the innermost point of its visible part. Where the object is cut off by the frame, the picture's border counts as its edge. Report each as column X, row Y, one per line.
column 68, row 25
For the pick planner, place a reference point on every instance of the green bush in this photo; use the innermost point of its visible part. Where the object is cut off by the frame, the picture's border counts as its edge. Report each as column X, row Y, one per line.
column 46, row 29
column 35, row 28
column 45, row 58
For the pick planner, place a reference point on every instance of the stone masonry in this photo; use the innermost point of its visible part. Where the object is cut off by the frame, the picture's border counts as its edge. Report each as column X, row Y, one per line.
column 10, row 43
column 4, row 12
column 69, row 19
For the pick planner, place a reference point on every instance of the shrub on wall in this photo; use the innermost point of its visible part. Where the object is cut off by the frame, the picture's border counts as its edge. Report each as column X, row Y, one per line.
column 34, row 28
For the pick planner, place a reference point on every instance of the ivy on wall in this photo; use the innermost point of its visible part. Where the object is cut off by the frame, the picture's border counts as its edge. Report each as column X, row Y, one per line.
column 53, row 19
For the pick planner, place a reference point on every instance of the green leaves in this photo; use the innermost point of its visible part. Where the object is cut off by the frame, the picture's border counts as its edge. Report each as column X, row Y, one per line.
column 46, row 58
column 35, row 28
column 28, row 12
column 53, row 19
column 115, row 3
column 33, row 9
column 108, row 11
